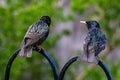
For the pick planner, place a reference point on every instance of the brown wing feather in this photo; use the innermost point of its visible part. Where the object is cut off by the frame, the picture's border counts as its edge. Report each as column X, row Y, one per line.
column 32, row 37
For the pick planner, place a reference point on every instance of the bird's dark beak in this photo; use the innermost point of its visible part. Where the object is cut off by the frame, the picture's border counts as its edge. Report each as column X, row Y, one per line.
column 83, row 22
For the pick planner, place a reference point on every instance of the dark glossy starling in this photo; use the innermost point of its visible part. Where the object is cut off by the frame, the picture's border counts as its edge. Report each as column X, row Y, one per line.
column 94, row 43
column 36, row 34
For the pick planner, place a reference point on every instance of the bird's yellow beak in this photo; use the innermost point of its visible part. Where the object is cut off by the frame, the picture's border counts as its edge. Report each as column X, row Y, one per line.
column 83, row 22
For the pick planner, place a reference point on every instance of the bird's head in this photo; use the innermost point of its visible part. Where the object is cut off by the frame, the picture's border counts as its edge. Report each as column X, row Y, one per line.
column 92, row 24
column 46, row 19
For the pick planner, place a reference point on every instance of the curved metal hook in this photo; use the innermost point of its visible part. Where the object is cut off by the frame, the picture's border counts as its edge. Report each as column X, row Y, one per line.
column 72, row 60
column 66, row 66
column 9, row 64
column 44, row 53
column 51, row 61
column 106, row 70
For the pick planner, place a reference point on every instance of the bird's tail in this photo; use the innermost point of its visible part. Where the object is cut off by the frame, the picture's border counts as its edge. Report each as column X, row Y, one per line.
column 25, row 52
column 90, row 59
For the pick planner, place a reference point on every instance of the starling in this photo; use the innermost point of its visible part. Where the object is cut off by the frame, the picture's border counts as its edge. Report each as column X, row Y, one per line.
column 36, row 34
column 94, row 42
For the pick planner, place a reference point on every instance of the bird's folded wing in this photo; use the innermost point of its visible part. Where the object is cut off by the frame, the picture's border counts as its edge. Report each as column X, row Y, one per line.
column 32, row 35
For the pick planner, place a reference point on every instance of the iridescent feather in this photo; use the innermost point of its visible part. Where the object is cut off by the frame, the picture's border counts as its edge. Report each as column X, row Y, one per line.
column 94, row 43
column 35, row 35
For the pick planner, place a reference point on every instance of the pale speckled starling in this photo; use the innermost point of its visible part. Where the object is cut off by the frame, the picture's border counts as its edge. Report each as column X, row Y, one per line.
column 94, row 42
column 36, row 34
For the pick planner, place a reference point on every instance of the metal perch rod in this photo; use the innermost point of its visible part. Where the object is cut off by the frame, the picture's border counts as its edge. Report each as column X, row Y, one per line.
column 51, row 62
column 41, row 51
column 53, row 65
column 66, row 66
column 72, row 60
column 9, row 64
column 106, row 70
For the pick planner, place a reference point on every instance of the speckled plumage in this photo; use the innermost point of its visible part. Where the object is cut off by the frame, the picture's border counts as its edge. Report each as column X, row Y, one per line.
column 36, row 34
column 97, row 41
column 94, row 42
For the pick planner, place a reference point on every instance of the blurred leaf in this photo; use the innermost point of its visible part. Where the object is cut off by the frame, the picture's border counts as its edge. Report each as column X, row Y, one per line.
column 66, row 32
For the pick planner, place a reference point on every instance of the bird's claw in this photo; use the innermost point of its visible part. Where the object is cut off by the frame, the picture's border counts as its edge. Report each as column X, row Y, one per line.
column 98, row 58
column 38, row 48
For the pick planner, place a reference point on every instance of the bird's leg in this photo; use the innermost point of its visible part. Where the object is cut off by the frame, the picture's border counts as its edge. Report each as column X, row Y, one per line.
column 38, row 48
column 98, row 58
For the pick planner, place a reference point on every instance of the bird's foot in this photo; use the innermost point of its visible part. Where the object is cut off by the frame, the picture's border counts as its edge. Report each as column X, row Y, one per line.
column 38, row 48
column 98, row 58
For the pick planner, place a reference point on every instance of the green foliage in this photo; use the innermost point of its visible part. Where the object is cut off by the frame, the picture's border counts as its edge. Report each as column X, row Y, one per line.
column 15, row 18
column 66, row 32
column 115, row 70
column 17, row 15
column 93, row 74
column 107, row 13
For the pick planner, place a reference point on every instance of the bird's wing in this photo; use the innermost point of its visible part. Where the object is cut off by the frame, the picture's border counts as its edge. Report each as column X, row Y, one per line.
column 34, row 33
column 101, row 42
column 103, row 39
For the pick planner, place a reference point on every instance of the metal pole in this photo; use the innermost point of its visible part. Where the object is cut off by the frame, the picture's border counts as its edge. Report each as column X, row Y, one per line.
column 66, row 66
column 9, row 64
column 105, row 69
column 44, row 53
column 72, row 60
column 50, row 60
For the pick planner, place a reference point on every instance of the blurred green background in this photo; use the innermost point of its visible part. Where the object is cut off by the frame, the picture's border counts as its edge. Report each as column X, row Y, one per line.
column 17, row 15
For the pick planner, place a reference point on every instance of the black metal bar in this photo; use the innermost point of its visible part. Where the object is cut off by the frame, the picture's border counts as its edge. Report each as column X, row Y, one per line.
column 44, row 53
column 53, row 65
column 50, row 60
column 106, row 70
column 66, row 66
column 9, row 64
column 72, row 60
